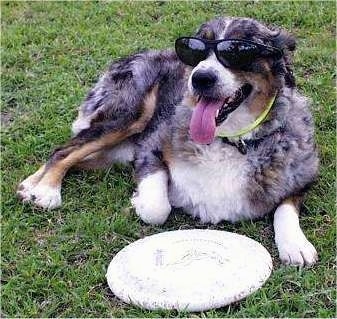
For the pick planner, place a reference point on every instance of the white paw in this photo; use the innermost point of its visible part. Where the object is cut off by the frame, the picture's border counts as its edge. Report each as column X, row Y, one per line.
column 41, row 195
column 297, row 251
column 25, row 188
column 46, row 197
column 152, row 210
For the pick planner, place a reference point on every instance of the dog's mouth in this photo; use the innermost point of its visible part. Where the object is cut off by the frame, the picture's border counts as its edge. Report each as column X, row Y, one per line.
column 210, row 113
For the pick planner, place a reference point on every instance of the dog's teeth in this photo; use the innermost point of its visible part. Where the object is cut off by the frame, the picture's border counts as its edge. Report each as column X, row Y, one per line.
column 217, row 113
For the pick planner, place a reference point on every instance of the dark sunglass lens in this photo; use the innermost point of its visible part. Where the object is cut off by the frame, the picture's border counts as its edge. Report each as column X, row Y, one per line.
column 190, row 51
column 236, row 54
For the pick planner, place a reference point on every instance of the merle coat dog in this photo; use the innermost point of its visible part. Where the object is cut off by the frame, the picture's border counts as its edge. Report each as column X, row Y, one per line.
column 168, row 118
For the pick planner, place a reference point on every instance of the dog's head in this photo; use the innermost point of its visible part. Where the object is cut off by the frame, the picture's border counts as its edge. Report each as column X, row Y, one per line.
column 228, row 94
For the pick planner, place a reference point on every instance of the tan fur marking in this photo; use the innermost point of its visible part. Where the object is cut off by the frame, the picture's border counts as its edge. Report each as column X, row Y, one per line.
column 167, row 153
column 208, row 34
column 263, row 97
column 264, row 85
column 259, row 104
column 189, row 100
column 56, row 171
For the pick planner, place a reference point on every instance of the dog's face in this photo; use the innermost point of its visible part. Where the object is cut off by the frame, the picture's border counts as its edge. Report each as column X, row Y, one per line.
column 244, row 90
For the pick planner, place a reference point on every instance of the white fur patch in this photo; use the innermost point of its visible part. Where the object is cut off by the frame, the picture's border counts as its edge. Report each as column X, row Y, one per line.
column 293, row 246
column 25, row 188
column 225, row 28
column 122, row 153
column 46, row 197
column 80, row 124
column 151, row 200
column 213, row 188
column 41, row 195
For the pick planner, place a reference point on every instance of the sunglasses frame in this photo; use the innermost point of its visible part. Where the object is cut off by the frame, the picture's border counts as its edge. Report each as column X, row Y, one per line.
column 212, row 44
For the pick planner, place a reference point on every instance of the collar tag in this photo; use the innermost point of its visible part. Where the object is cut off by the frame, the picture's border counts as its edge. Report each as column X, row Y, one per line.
column 242, row 146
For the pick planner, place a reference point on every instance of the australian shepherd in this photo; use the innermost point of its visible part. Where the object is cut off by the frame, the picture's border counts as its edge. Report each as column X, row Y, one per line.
column 216, row 127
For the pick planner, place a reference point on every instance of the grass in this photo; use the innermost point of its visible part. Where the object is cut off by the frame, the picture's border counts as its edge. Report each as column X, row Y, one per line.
column 53, row 263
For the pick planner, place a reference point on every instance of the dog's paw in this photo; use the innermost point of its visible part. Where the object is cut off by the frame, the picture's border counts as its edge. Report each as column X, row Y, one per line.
column 150, row 209
column 46, row 197
column 40, row 195
column 24, row 190
column 297, row 251
column 26, row 186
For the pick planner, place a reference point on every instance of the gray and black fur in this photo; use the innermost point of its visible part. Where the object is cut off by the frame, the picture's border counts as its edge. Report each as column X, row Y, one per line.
column 279, row 163
column 284, row 145
column 115, row 102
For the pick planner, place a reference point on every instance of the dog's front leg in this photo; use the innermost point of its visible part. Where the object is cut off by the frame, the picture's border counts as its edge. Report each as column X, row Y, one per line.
column 294, row 248
column 151, row 198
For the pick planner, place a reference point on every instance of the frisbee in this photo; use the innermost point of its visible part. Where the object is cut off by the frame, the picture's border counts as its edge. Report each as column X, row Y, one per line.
column 190, row 270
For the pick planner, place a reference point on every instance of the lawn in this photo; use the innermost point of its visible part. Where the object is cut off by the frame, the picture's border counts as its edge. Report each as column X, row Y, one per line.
column 54, row 262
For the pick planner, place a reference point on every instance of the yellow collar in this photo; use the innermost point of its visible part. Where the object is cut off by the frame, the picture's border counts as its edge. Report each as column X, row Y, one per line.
column 254, row 125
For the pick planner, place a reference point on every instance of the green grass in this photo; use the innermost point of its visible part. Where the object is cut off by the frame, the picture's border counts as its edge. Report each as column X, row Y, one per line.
column 54, row 263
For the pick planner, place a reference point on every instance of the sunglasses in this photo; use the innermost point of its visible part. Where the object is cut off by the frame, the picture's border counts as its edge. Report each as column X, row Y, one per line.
column 232, row 53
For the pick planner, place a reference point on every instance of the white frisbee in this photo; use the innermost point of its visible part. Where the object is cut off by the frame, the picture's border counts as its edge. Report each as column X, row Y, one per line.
column 191, row 270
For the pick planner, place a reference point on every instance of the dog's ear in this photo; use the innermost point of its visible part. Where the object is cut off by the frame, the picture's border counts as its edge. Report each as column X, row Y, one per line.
column 284, row 40
column 287, row 43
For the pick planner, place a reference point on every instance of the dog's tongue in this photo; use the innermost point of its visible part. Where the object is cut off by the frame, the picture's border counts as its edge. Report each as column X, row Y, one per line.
column 202, row 125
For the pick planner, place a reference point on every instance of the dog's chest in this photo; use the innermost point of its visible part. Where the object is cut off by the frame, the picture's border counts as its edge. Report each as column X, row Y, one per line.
column 210, row 185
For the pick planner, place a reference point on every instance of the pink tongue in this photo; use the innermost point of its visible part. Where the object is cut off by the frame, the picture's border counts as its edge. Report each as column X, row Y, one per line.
column 202, row 126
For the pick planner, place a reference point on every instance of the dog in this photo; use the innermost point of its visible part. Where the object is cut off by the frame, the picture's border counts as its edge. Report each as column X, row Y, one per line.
column 215, row 127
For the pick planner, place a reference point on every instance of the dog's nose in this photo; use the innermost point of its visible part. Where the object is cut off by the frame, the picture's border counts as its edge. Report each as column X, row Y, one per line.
column 203, row 80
